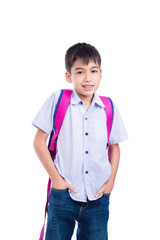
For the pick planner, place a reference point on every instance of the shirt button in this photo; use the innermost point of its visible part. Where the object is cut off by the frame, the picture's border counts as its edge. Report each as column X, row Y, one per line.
column 81, row 102
column 86, row 133
column 86, row 152
column 86, row 172
column 85, row 118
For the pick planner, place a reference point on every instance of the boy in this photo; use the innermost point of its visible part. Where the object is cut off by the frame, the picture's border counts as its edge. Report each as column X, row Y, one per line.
column 82, row 174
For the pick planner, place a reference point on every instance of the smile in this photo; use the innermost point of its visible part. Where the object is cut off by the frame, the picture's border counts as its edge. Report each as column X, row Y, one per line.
column 87, row 86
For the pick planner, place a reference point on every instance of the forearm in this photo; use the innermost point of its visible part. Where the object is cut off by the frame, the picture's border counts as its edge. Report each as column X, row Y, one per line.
column 114, row 157
column 44, row 155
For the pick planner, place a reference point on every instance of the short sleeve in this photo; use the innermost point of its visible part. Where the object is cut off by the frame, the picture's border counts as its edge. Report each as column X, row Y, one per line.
column 118, row 132
column 44, row 118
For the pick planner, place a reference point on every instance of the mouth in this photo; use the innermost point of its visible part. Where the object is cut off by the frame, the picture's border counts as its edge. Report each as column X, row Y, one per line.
column 87, row 87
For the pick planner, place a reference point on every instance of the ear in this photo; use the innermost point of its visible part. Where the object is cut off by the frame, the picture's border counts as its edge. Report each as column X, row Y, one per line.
column 68, row 77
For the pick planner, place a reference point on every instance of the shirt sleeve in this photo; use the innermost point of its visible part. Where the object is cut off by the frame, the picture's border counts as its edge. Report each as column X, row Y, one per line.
column 44, row 118
column 118, row 132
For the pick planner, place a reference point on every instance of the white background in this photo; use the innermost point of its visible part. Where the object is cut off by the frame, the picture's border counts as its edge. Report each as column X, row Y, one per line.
column 34, row 38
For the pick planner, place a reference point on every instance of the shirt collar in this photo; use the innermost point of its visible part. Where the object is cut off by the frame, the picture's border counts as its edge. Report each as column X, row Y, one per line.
column 75, row 99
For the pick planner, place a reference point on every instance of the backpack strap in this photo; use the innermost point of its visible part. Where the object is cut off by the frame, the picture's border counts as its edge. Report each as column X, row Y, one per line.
column 109, row 110
column 59, row 114
column 60, row 111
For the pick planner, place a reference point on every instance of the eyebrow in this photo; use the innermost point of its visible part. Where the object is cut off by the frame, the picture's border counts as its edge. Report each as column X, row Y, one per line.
column 80, row 68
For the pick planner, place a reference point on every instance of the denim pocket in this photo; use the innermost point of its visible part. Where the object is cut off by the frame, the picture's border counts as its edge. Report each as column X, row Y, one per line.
column 56, row 193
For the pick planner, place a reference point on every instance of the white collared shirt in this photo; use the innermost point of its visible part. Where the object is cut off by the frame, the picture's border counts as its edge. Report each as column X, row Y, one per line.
column 82, row 158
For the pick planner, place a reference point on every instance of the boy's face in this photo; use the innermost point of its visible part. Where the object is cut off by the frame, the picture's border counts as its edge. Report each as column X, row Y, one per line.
column 85, row 78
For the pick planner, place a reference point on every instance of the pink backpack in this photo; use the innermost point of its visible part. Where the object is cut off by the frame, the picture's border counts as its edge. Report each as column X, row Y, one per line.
column 59, row 114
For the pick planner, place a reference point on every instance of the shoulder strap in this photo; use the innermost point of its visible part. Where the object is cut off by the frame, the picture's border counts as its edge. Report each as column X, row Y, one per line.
column 109, row 114
column 60, row 111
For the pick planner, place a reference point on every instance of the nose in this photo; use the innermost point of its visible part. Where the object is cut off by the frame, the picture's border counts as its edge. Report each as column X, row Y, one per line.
column 87, row 77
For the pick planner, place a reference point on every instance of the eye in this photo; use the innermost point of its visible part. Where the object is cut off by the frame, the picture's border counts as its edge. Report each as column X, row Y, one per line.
column 94, row 71
column 79, row 72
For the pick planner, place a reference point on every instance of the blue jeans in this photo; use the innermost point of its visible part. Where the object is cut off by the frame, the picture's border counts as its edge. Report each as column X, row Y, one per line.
column 63, row 211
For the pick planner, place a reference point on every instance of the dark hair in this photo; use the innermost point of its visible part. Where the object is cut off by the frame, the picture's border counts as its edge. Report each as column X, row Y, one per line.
column 83, row 51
